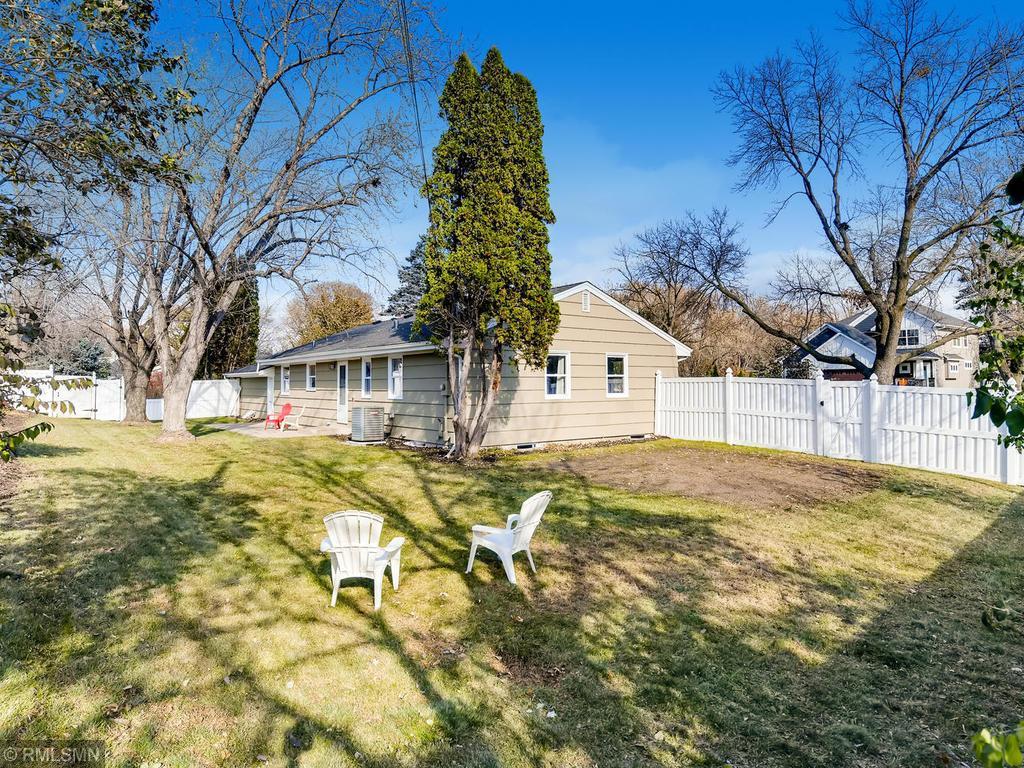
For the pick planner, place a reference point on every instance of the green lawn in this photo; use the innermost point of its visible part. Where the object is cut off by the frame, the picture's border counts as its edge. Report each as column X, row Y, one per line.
column 173, row 603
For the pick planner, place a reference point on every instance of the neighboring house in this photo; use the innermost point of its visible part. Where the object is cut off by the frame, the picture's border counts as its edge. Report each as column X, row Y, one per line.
column 952, row 364
column 599, row 381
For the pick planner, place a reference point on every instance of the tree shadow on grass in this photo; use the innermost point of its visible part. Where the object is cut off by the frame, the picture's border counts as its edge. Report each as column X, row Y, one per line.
column 621, row 633
column 912, row 683
column 36, row 449
column 91, row 552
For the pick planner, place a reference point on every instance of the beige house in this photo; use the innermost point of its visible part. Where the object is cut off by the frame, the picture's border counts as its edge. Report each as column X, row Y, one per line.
column 599, row 382
column 951, row 364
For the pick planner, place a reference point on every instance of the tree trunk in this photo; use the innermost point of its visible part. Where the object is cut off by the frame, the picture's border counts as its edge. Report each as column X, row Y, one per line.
column 136, row 382
column 488, row 401
column 176, row 389
column 885, row 366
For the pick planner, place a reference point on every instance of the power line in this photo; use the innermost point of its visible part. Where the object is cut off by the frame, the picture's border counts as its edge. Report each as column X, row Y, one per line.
column 412, row 85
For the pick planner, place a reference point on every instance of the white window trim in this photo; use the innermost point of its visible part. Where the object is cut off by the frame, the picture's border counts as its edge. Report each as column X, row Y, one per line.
column 625, row 375
column 311, row 367
column 585, row 300
column 286, row 380
column 391, row 378
column 952, row 369
column 366, row 395
column 905, row 333
column 568, row 376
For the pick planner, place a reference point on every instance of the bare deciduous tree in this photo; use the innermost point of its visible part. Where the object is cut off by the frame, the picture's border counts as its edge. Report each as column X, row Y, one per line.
column 304, row 139
column 932, row 100
column 127, row 240
column 662, row 276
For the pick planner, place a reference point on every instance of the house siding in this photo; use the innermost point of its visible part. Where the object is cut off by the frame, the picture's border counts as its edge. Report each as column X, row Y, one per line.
column 417, row 416
column 252, row 396
column 523, row 414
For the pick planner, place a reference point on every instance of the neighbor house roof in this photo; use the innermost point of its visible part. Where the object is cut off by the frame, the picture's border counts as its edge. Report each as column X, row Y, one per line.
column 865, row 319
column 396, row 336
column 858, row 328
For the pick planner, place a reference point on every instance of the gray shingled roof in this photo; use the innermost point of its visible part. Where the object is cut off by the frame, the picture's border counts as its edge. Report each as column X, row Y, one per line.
column 242, row 371
column 559, row 288
column 380, row 333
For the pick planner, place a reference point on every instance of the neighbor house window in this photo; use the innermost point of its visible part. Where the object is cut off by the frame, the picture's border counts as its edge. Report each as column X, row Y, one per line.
column 367, row 377
column 616, row 372
column 909, row 337
column 311, row 377
column 968, row 364
column 906, row 369
column 556, row 377
column 952, row 370
column 395, row 372
column 286, row 380
column 586, row 301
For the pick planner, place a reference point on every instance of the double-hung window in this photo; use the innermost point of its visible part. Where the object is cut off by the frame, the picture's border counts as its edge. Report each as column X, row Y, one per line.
column 557, row 383
column 311, row 377
column 286, row 380
column 396, row 370
column 909, row 337
column 367, row 377
column 616, row 375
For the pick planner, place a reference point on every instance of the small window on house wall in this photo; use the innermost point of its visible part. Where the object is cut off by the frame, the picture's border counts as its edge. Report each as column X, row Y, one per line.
column 586, row 301
column 367, row 377
column 952, row 369
column 906, row 369
column 968, row 364
column 311, row 377
column 909, row 337
column 556, row 377
column 396, row 371
column 616, row 372
column 286, row 380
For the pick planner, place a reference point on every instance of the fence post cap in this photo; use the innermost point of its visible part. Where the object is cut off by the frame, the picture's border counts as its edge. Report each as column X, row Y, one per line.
column 819, row 374
column 728, row 371
column 874, row 378
column 657, row 374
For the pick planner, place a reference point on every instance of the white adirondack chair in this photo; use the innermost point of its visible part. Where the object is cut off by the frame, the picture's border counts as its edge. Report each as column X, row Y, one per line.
column 293, row 420
column 514, row 537
column 353, row 543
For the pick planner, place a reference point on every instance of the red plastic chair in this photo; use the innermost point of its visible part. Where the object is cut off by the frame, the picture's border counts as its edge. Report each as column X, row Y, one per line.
column 276, row 420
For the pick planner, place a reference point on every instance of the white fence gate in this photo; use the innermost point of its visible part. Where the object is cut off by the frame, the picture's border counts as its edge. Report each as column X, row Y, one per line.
column 921, row 427
column 104, row 399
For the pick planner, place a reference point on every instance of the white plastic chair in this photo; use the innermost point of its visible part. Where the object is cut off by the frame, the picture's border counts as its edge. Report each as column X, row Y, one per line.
column 353, row 543
column 293, row 420
column 514, row 537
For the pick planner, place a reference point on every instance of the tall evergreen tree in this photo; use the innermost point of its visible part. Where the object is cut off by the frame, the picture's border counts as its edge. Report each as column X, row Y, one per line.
column 234, row 342
column 412, row 282
column 488, row 269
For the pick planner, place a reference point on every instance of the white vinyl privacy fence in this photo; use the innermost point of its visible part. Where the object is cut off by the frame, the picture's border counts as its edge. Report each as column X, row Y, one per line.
column 922, row 427
column 103, row 399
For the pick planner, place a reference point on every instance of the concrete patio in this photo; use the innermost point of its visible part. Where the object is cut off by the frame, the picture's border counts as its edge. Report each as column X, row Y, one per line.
column 255, row 429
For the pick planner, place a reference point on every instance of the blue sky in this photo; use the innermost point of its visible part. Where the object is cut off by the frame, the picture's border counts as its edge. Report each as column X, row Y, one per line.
column 633, row 135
